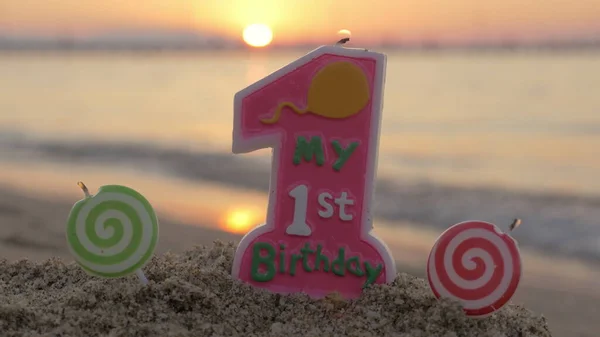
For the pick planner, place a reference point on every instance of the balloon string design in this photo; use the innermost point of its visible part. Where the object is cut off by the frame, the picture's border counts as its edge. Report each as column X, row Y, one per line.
column 338, row 90
column 279, row 109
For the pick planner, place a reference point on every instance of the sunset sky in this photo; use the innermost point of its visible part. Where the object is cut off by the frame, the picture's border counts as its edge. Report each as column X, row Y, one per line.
column 309, row 20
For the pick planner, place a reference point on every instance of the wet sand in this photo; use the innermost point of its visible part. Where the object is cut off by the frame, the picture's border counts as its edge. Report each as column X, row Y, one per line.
column 31, row 294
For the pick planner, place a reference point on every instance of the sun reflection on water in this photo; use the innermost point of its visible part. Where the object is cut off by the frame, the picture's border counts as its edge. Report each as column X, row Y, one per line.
column 240, row 220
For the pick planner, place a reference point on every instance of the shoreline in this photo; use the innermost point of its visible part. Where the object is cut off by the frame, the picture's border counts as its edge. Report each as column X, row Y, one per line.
column 33, row 228
column 424, row 209
column 205, row 181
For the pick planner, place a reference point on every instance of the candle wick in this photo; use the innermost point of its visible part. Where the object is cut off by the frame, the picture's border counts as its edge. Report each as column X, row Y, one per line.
column 515, row 224
column 343, row 41
column 84, row 189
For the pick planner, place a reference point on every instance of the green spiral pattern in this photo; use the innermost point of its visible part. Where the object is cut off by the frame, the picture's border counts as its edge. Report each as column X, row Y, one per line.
column 113, row 233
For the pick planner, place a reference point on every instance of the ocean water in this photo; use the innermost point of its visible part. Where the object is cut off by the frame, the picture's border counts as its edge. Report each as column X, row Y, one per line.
column 465, row 136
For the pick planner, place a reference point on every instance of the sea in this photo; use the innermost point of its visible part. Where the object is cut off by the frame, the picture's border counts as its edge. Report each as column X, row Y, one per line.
column 489, row 136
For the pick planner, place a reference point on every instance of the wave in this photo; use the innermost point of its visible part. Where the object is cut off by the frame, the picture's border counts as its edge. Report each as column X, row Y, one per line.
column 555, row 223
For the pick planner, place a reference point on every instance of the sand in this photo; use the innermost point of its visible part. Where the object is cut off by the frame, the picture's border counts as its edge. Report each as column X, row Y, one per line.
column 193, row 294
column 32, row 226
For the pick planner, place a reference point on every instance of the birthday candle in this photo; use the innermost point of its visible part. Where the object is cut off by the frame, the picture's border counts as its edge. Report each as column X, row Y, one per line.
column 112, row 233
column 476, row 264
column 321, row 116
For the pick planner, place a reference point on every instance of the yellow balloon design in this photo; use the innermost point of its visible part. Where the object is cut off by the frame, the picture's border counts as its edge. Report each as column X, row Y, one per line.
column 339, row 90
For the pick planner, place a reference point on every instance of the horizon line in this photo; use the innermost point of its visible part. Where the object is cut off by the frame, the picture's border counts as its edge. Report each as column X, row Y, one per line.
column 425, row 47
column 204, row 42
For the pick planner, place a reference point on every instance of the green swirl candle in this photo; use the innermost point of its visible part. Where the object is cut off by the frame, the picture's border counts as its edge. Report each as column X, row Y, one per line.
column 112, row 233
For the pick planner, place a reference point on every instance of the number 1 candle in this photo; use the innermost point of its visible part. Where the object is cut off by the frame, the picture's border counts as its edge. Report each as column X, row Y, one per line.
column 321, row 116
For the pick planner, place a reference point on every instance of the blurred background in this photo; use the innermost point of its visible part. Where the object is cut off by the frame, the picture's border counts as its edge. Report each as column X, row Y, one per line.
column 492, row 112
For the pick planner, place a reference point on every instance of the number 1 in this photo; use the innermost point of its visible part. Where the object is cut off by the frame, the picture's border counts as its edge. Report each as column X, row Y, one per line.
column 299, row 226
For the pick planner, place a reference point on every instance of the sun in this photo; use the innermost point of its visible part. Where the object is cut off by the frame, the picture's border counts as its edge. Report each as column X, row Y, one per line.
column 258, row 35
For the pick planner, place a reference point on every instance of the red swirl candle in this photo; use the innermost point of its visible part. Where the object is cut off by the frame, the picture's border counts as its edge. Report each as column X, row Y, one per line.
column 478, row 265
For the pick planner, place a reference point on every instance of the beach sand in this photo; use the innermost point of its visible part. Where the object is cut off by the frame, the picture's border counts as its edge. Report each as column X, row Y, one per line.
column 191, row 293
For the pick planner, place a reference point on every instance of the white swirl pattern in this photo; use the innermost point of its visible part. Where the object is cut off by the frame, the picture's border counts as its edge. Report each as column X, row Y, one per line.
column 507, row 274
column 105, row 233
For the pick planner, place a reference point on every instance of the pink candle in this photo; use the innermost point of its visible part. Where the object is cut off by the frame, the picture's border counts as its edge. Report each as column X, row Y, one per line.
column 321, row 116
